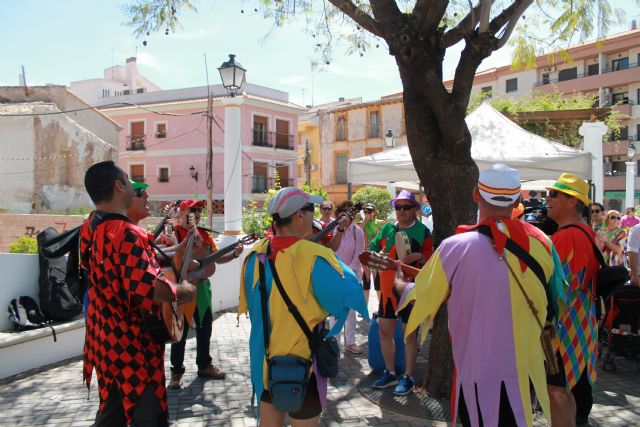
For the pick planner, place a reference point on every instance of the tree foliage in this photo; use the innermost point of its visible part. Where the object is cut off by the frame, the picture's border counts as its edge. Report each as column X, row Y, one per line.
column 379, row 197
column 24, row 245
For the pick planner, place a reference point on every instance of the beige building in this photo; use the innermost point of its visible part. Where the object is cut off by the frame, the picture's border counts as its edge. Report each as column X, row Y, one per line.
column 346, row 130
column 49, row 138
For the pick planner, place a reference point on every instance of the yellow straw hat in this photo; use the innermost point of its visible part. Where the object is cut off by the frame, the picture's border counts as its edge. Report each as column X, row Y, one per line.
column 574, row 186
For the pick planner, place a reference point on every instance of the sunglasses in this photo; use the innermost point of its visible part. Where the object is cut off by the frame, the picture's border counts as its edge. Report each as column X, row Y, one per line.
column 368, row 210
column 404, row 207
column 595, row 211
column 615, row 217
column 138, row 193
column 554, row 193
column 309, row 207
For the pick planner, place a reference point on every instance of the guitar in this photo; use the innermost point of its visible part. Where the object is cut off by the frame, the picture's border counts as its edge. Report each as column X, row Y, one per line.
column 168, row 327
column 190, row 307
column 169, row 213
column 380, row 261
column 351, row 212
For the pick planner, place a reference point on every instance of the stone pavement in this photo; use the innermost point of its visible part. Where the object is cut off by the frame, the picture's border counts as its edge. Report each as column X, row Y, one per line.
column 55, row 395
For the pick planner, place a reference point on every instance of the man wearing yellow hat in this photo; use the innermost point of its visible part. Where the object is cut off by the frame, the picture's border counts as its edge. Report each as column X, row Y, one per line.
column 577, row 327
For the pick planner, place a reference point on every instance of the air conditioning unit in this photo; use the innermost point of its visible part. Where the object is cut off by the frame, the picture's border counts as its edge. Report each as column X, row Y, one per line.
column 314, row 167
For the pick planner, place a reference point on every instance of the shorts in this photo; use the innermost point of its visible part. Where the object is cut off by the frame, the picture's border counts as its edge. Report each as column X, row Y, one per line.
column 388, row 311
column 366, row 281
column 311, row 406
column 559, row 379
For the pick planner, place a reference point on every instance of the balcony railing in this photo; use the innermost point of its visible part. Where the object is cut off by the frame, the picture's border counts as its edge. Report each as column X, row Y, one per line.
column 138, row 178
column 135, row 143
column 260, row 184
column 581, row 75
column 263, row 138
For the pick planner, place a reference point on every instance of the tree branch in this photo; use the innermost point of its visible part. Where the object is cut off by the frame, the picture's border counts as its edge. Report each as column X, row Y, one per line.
column 516, row 10
column 358, row 15
column 517, row 13
column 466, row 25
column 484, row 15
column 429, row 13
column 476, row 50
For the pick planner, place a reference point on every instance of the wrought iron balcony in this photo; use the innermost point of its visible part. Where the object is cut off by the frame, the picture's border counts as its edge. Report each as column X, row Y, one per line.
column 260, row 184
column 135, row 143
column 263, row 138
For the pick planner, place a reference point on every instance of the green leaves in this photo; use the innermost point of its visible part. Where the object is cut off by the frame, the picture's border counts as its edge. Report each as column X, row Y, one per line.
column 379, row 197
column 147, row 16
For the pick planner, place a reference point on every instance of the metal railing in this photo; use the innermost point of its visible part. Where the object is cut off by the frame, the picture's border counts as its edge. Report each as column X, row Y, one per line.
column 581, row 75
column 260, row 184
column 263, row 138
column 135, row 143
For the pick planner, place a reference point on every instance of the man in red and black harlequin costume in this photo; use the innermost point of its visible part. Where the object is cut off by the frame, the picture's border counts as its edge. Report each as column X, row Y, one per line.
column 124, row 277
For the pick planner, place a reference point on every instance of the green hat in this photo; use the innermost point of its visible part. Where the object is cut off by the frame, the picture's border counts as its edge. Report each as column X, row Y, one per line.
column 138, row 185
column 573, row 186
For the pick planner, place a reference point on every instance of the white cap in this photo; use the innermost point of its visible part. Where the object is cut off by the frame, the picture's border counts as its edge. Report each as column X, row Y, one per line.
column 288, row 200
column 499, row 185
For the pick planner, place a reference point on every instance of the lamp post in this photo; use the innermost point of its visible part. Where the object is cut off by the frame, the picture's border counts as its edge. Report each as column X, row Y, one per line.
column 232, row 75
column 389, row 139
column 629, row 187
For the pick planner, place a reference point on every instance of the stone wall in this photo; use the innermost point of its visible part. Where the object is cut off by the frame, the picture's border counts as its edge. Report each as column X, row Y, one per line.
column 14, row 226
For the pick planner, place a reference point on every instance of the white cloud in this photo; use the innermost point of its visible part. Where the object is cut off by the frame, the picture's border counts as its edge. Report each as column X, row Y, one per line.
column 149, row 60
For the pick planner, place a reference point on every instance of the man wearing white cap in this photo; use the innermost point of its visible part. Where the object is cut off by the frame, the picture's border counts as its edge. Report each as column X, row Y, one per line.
column 316, row 282
column 495, row 335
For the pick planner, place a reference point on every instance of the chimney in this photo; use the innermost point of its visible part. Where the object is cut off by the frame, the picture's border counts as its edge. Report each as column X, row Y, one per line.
column 634, row 24
column 132, row 73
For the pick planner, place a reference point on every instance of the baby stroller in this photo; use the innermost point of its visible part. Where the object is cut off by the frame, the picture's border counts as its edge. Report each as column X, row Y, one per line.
column 621, row 325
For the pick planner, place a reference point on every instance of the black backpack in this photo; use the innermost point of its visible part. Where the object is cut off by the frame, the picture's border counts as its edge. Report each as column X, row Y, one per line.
column 58, row 302
column 25, row 313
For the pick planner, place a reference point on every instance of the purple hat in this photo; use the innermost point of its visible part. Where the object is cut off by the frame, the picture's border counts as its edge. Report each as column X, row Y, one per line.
column 406, row 195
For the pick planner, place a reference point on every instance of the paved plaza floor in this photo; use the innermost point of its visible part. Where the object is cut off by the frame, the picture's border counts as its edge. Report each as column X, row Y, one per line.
column 55, row 395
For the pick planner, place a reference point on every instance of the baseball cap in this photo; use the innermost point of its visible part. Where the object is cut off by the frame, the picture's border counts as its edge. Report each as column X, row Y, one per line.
column 369, row 206
column 138, row 185
column 188, row 204
column 499, row 185
column 288, row 200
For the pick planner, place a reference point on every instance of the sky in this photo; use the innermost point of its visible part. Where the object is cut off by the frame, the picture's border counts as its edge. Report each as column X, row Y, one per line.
column 60, row 41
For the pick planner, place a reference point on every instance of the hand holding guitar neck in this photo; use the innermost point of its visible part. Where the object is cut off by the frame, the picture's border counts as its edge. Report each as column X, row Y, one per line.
column 349, row 213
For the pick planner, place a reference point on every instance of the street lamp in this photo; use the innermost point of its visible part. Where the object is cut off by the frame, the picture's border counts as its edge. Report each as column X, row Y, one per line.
column 630, row 177
column 389, row 139
column 194, row 173
column 232, row 75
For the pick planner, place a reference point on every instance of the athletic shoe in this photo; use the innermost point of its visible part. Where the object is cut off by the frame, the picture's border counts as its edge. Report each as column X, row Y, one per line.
column 386, row 380
column 404, row 387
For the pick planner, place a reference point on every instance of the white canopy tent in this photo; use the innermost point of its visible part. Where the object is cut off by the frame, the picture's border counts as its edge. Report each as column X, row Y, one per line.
column 495, row 139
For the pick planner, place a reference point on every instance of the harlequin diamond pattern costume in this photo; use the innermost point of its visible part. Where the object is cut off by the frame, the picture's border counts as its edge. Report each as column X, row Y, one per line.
column 122, row 272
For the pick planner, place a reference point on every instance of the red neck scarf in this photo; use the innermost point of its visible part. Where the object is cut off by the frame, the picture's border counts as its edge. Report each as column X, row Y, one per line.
column 279, row 243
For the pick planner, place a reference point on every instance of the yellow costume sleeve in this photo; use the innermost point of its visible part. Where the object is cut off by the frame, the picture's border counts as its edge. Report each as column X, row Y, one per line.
column 430, row 291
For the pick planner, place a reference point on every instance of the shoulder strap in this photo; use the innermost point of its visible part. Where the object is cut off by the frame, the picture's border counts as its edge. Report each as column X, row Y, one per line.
column 596, row 251
column 263, row 303
column 292, row 308
column 519, row 252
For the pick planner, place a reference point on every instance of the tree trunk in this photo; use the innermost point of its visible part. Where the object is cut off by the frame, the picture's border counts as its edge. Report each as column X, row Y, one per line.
column 442, row 159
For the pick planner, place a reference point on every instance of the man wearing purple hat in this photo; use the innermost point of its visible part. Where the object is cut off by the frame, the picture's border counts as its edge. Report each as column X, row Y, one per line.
column 421, row 247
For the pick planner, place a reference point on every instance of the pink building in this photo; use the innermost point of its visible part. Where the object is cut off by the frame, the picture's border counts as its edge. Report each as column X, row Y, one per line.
column 165, row 136
column 608, row 70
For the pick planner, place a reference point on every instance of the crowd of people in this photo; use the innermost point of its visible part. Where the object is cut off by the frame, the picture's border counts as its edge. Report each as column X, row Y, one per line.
column 523, row 318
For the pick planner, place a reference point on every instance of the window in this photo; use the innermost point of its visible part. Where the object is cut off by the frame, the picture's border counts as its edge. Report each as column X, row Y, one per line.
column 487, row 89
column 593, row 69
column 341, row 133
column 136, row 172
column 545, row 78
column 341, row 168
column 283, row 138
column 284, row 176
column 163, row 174
column 126, row 92
column 136, row 136
column 260, row 131
column 637, row 134
column 620, row 98
column 259, row 179
column 161, row 130
column 512, row 85
column 620, row 64
column 568, row 74
column 374, row 124
column 106, row 93
column 141, row 90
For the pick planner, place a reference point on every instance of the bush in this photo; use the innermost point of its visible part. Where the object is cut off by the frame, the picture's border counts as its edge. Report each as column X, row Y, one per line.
column 24, row 245
column 379, row 197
